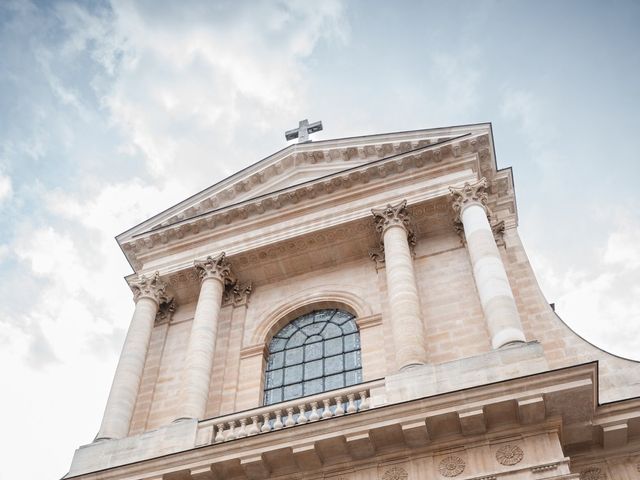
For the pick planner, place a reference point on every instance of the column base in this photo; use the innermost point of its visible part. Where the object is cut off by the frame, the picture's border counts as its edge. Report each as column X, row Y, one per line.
column 507, row 336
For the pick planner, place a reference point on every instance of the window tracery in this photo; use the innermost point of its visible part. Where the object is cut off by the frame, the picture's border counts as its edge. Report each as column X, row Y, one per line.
column 314, row 353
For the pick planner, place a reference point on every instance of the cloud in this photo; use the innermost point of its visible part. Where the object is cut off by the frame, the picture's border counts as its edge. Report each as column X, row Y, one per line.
column 6, row 189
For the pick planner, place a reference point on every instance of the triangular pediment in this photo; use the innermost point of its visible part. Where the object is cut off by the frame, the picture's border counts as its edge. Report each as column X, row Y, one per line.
column 298, row 164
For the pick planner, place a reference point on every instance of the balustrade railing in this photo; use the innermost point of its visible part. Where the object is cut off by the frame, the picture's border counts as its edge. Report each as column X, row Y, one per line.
column 299, row 411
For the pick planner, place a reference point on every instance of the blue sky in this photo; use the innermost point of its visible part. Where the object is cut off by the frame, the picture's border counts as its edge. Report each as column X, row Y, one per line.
column 113, row 111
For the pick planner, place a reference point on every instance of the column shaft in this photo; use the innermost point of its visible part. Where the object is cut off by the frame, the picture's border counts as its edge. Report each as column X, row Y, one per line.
column 404, row 302
column 200, row 351
column 495, row 293
column 124, row 389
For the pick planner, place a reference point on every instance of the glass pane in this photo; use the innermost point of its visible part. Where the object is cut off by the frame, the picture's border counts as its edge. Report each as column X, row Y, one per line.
column 292, row 391
column 273, row 396
column 322, row 316
column 340, row 317
column 331, row 331
column 277, row 344
column 313, row 386
column 293, row 356
column 293, row 374
column 313, row 369
column 314, row 339
column 352, row 360
column 303, row 320
column 296, row 340
column 354, row 377
column 333, row 365
column 312, row 352
column 287, row 331
column 313, row 329
column 349, row 327
column 274, row 379
column 333, row 346
column 334, row 381
column 276, row 360
column 351, row 342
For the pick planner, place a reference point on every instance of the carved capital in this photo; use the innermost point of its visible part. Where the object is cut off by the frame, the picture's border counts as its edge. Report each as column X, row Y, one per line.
column 153, row 288
column 237, row 295
column 392, row 215
column 468, row 194
column 165, row 310
column 215, row 267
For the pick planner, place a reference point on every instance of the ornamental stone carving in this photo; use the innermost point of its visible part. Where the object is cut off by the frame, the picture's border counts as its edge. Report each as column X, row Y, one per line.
column 395, row 473
column 215, row 267
column 153, row 288
column 451, row 466
column 509, row 454
column 165, row 310
column 392, row 215
column 467, row 194
column 592, row 473
column 237, row 294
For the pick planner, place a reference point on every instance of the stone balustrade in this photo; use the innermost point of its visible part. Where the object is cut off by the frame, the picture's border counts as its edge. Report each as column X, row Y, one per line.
column 282, row 415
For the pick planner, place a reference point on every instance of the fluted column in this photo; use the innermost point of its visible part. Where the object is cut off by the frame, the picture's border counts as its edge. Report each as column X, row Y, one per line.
column 409, row 340
column 496, row 297
column 214, row 273
column 148, row 294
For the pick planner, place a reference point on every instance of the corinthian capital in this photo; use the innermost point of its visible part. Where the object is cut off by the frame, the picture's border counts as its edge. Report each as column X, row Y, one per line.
column 153, row 288
column 392, row 215
column 469, row 193
column 215, row 267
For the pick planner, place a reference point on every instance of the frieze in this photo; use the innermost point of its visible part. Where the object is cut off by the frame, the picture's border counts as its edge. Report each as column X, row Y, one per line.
column 395, row 473
column 509, row 454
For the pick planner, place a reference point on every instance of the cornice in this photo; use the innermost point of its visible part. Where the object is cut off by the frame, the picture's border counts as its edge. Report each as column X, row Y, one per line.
column 388, row 167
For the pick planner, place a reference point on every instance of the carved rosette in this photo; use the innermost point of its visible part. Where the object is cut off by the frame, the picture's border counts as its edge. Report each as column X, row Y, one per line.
column 592, row 473
column 469, row 194
column 451, row 466
column 153, row 288
column 509, row 454
column 395, row 473
column 215, row 267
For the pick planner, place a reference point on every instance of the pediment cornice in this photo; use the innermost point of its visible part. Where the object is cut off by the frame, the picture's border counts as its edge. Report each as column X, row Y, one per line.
column 409, row 157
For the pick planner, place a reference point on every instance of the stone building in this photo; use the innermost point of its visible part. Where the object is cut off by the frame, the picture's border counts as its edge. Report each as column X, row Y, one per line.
column 356, row 309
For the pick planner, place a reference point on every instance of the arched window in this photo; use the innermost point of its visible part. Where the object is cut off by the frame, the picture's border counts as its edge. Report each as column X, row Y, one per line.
column 314, row 353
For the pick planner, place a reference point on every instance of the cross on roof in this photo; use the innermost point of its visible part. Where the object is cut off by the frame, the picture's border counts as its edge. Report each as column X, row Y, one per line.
column 303, row 131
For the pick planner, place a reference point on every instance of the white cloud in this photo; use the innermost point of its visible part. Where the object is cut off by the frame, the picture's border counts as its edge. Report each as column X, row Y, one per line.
column 6, row 188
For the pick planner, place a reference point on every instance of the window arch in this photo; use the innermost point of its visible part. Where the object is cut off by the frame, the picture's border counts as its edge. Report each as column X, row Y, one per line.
column 316, row 352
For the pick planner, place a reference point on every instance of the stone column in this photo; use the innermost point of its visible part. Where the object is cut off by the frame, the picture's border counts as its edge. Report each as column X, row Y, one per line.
column 148, row 293
column 409, row 340
column 214, row 273
column 496, row 297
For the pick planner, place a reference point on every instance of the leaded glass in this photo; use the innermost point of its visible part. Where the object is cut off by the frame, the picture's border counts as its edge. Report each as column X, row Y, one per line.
column 307, row 356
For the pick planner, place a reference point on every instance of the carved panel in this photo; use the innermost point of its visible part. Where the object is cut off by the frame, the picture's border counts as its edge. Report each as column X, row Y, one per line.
column 395, row 473
column 509, row 454
column 451, row 466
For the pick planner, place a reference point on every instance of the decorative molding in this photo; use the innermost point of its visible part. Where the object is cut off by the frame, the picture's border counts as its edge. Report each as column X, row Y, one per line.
column 153, row 288
column 370, row 321
column 215, row 267
column 545, row 468
column 592, row 473
column 451, row 466
column 509, row 454
column 468, row 194
column 165, row 310
column 395, row 473
column 254, row 350
column 237, row 294
column 377, row 255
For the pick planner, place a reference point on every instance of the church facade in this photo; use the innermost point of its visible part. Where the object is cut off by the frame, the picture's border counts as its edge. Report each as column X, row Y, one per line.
column 356, row 309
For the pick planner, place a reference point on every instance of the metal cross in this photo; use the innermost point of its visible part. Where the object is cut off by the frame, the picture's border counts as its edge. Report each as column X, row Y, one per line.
column 303, row 131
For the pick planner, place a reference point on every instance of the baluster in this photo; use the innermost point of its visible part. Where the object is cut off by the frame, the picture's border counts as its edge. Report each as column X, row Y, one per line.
column 351, row 407
column 364, row 401
column 326, row 412
column 278, row 423
column 314, row 412
column 339, row 409
column 290, row 422
column 302, row 418
column 220, row 434
column 254, row 429
column 231, row 434
column 265, row 423
column 243, row 429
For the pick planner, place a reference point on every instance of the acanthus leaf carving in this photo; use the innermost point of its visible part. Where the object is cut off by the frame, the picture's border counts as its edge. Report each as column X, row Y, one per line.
column 469, row 193
column 237, row 294
column 216, row 267
column 165, row 310
column 384, row 218
column 153, row 288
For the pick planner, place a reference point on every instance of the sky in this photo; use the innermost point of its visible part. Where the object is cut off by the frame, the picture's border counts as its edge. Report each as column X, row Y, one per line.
column 112, row 111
